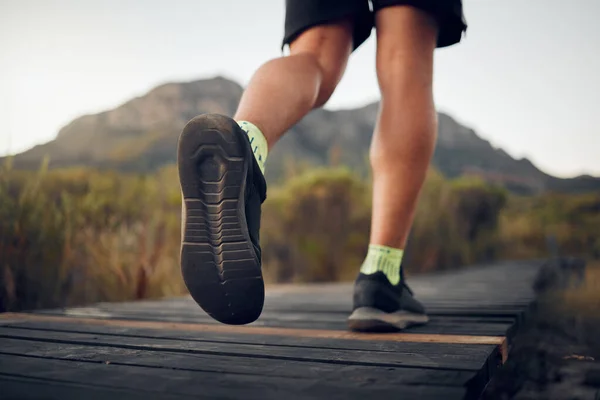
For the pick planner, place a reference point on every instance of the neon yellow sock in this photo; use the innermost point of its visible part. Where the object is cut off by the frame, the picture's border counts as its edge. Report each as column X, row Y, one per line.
column 385, row 259
column 257, row 141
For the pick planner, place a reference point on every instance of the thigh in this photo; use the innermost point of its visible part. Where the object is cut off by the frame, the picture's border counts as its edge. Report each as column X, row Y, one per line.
column 301, row 15
column 448, row 14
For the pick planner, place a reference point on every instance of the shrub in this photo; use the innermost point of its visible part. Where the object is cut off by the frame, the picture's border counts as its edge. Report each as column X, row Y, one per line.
column 316, row 227
column 77, row 236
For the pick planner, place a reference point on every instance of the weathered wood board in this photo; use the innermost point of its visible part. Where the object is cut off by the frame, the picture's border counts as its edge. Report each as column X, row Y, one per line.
column 300, row 348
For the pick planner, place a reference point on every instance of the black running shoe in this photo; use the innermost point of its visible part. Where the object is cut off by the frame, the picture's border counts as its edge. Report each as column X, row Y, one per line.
column 223, row 189
column 380, row 306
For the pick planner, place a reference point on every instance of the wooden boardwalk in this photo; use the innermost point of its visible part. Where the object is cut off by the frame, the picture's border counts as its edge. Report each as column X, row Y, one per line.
column 300, row 348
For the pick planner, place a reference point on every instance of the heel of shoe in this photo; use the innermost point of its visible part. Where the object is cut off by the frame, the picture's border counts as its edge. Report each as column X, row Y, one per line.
column 375, row 291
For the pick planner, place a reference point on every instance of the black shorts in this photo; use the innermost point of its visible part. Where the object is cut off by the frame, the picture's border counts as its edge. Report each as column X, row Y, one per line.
column 303, row 14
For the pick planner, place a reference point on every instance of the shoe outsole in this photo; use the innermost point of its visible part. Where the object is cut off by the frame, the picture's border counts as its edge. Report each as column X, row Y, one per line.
column 367, row 319
column 218, row 262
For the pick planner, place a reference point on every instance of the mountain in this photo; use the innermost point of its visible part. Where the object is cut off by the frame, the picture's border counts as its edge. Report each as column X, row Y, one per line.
column 141, row 135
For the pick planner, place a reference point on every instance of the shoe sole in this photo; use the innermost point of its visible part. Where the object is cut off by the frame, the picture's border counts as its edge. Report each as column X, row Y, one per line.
column 367, row 319
column 218, row 261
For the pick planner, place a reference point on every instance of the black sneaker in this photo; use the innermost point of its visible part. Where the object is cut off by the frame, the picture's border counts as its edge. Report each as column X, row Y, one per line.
column 223, row 189
column 380, row 306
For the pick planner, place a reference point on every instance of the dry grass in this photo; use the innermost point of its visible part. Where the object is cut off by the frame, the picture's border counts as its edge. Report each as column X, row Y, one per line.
column 75, row 237
column 80, row 236
column 584, row 300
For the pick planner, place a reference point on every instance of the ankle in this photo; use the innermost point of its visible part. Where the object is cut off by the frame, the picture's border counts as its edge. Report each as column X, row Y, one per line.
column 385, row 259
column 258, row 143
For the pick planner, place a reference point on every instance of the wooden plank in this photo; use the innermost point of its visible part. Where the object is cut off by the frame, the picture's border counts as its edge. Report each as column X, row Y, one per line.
column 312, row 333
column 16, row 387
column 24, row 339
column 342, row 305
column 283, row 310
column 485, row 354
column 269, row 318
column 274, row 367
column 299, row 348
column 438, row 325
column 331, row 303
column 465, row 352
column 441, row 305
column 454, row 320
column 196, row 314
column 163, row 381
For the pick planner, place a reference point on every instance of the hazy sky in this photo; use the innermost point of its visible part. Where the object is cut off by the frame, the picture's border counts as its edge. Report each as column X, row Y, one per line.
column 526, row 76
